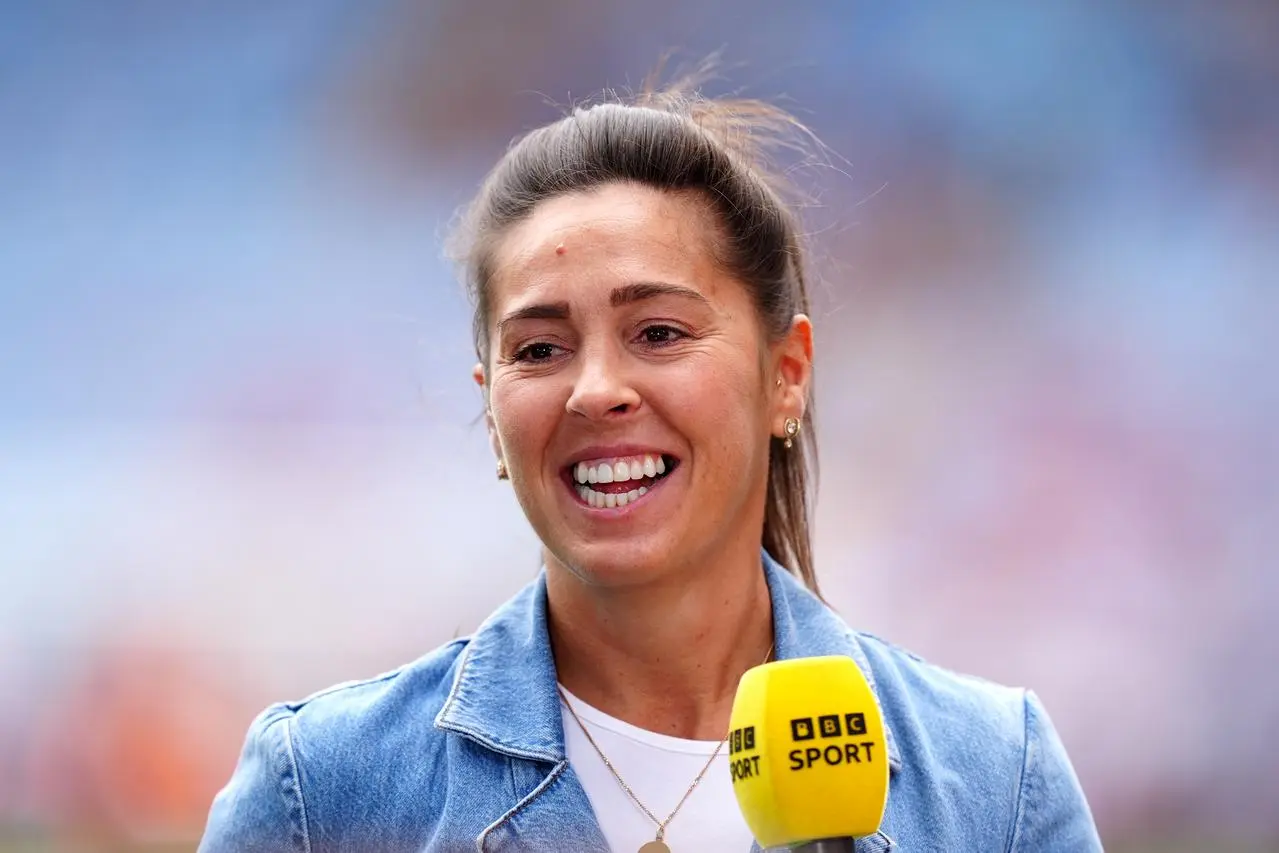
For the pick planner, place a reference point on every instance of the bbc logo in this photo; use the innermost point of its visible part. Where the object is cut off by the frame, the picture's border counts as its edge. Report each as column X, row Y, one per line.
column 741, row 739
column 829, row 725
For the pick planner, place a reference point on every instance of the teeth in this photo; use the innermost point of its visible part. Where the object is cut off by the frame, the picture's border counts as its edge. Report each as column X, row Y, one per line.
column 620, row 471
column 609, row 500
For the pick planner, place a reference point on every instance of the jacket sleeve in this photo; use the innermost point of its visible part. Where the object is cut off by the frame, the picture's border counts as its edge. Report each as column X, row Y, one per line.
column 1052, row 814
column 261, row 809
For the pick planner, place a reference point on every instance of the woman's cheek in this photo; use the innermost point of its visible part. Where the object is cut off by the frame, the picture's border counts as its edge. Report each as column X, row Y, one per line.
column 523, row 412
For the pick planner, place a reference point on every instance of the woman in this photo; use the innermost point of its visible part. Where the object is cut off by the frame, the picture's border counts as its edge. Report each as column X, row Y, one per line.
column 646, row 358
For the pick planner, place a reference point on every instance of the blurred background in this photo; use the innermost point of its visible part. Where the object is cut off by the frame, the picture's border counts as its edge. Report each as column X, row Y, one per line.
column 239, row 455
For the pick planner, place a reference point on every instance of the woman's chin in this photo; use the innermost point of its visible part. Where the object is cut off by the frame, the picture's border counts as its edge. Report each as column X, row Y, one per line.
column 619, row 563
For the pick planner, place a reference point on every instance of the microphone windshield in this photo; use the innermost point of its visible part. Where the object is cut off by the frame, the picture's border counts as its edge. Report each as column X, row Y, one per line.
column 807, row 751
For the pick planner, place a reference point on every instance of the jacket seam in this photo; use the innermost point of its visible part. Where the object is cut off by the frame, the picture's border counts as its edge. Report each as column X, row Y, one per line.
column 356, row 684
column 555, row 773
column 1015, row 830
column 343, row 687
column 297, row 783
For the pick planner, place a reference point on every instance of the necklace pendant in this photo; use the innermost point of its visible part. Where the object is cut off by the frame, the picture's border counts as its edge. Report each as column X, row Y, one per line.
column 655, row 847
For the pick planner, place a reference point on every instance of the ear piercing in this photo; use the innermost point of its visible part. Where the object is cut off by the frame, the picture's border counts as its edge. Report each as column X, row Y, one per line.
column 791, row 427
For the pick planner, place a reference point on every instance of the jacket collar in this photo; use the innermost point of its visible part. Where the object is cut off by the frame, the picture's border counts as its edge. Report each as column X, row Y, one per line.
column 504, row 694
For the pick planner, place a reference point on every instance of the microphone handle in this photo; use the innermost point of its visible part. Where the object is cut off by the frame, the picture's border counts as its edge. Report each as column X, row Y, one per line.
column 826, row 845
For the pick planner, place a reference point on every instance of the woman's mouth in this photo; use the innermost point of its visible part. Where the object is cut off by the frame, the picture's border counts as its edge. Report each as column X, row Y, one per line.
column 616, row 482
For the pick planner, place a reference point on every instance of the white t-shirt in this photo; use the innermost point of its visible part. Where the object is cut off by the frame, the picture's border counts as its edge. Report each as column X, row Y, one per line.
column 659, row 769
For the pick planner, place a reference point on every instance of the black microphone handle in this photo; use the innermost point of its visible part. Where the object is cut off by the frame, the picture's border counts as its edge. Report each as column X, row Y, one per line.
column 826, row 845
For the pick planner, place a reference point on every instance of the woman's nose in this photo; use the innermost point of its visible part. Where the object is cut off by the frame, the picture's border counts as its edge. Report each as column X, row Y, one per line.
column 601, row 389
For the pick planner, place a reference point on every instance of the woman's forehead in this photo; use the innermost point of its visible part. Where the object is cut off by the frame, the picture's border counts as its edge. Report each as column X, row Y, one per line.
column 615, row 235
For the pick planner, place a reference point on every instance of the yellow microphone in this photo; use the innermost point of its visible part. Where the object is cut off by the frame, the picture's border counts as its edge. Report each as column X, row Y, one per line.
column 808, row 754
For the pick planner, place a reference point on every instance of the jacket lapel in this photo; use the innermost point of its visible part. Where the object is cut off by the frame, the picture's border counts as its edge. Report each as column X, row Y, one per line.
column 554, row 817
column 504, row 698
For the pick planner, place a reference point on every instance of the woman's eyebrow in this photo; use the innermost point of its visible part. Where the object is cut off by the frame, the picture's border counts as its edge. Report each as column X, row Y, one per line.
column 540, row 311
column 624, row 295
column 642, row 290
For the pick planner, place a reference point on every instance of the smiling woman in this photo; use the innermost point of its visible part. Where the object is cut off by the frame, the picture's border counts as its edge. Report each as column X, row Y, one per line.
column 646, row 359
column 619, row 340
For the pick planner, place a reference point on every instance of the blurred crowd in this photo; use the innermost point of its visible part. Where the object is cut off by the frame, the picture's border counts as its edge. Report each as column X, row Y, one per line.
column 239, row 455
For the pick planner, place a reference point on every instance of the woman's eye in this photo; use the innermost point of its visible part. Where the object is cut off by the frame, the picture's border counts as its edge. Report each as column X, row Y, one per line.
column 535, row 352
column 661, row 334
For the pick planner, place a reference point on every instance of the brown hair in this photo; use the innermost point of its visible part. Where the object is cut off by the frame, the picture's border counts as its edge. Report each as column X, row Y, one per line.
column 675, row 140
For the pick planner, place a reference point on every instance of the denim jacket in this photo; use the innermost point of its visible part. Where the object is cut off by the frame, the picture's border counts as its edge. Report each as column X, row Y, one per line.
column 463, row 750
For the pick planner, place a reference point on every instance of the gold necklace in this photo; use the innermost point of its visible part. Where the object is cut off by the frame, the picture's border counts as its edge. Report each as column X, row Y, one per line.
column 657, row 845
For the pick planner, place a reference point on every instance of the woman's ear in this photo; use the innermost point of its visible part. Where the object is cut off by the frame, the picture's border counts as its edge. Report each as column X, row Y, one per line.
column 793, row 368
column 477, row 373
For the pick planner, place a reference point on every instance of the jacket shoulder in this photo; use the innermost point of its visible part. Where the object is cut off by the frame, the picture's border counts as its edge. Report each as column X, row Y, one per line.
column 411, row 694
column 915, row 691
column 981, row 759
column 377, row 727
column 304, row 774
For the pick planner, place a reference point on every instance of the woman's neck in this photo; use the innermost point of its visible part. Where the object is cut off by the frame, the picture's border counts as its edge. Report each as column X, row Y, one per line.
column 665, row 656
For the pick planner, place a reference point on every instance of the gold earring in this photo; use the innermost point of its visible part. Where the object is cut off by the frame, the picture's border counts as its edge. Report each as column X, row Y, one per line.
column 501, row 470
column 779, row 382
column 791, row 428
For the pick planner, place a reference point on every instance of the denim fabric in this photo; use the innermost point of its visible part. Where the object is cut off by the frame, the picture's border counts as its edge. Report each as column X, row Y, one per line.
column 463, row 750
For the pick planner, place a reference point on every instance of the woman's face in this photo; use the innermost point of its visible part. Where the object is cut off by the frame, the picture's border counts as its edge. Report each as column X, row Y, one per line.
column 632, row 393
